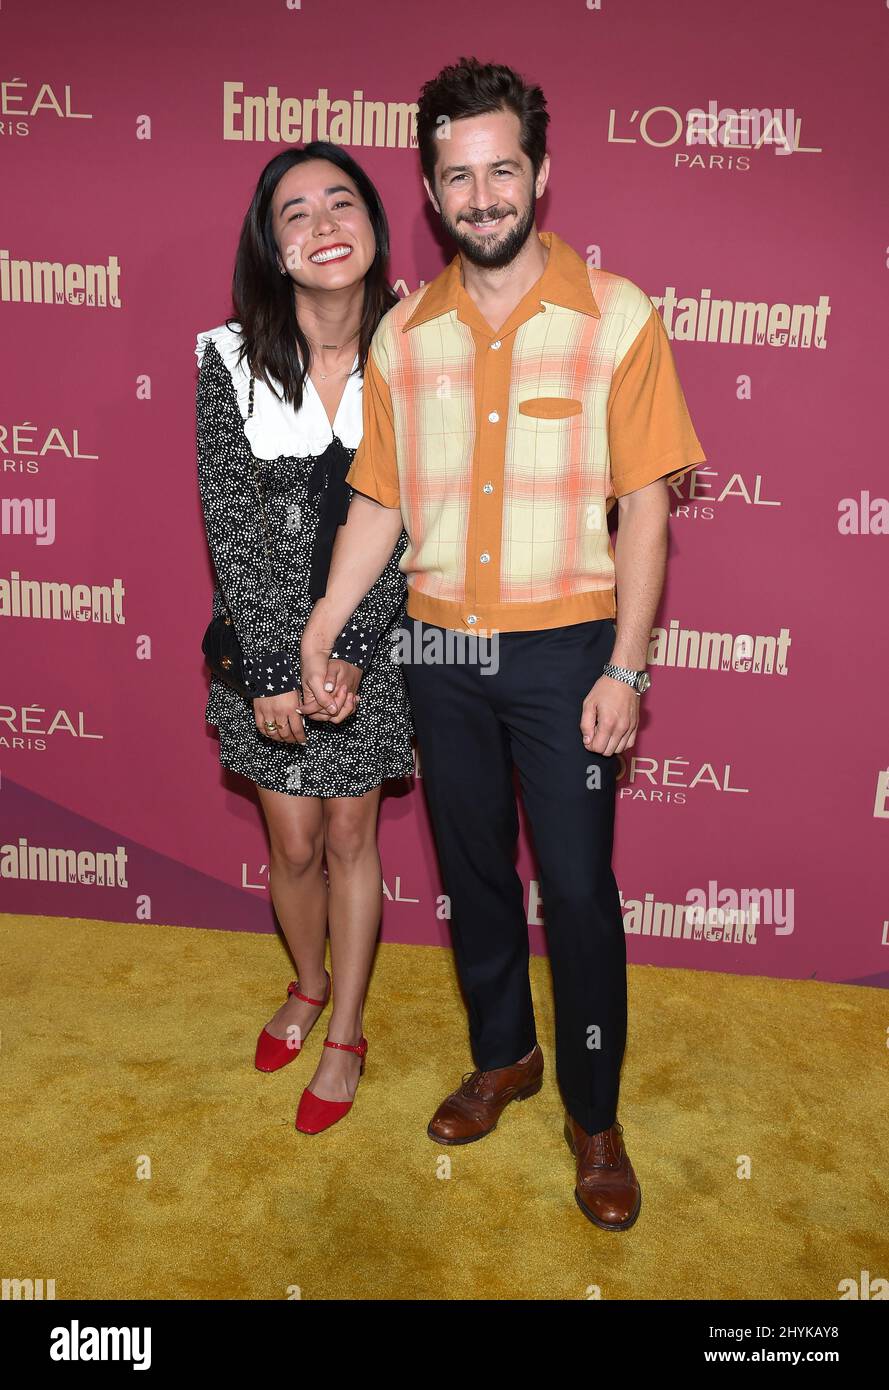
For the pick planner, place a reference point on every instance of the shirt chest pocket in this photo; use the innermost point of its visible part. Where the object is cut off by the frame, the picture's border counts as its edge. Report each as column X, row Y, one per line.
column 549, row 414
column 547, row 431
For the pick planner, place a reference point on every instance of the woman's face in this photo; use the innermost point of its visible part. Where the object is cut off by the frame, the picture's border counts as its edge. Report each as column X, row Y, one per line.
column 321, row 227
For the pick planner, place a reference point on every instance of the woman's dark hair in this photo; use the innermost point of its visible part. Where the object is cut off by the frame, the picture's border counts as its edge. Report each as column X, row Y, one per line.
column 263, row 299
column 471, row 88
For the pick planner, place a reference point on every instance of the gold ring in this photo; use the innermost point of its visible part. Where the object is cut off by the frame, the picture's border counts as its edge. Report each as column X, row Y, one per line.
column 273, row 725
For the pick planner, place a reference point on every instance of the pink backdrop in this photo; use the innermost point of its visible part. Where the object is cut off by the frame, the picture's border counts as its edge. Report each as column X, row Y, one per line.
column 117, row 151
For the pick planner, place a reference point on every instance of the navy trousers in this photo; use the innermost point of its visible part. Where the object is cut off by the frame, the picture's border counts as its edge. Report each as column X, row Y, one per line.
column 473, row 729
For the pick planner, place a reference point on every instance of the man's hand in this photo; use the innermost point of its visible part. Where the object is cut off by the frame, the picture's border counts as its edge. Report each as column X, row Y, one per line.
column 610, row 717
column 329, row 687
column 360, row 553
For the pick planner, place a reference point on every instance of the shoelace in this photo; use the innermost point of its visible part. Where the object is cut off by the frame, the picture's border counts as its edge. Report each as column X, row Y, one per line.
column 471, row 1082
column 605, row 1150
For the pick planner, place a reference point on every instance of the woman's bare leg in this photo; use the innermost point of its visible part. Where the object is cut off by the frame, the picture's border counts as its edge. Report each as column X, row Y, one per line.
column 299, row 895
column 354, row 907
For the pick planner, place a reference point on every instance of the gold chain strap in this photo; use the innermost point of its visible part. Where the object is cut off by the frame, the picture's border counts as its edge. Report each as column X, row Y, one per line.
column 265, row 519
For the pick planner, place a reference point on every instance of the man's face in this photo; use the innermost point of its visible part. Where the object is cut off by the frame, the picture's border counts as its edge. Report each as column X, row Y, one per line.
column 484, row 191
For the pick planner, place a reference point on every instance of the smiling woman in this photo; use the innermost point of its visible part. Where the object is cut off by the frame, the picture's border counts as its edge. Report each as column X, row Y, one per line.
column 279, row 418
column 307, row 204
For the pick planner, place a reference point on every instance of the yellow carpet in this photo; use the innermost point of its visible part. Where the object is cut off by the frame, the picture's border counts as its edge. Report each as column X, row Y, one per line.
column 127, row 1045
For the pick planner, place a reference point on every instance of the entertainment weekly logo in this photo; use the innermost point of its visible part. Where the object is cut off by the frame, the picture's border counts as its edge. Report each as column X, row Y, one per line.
column 61, row 600
column 753, row 323
column 293, row 119
column 742, row 653
column 70, row 284
column 36, row 863
column 718, row 136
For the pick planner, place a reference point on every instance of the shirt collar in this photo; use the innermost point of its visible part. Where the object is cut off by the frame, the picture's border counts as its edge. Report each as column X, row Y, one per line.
column 565, row 281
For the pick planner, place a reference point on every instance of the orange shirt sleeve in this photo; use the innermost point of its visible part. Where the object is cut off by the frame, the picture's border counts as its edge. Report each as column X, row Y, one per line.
column 650, row 433
column 374, row 469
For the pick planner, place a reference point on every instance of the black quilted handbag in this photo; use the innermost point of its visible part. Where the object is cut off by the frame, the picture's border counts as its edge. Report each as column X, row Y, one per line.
column 223, row 654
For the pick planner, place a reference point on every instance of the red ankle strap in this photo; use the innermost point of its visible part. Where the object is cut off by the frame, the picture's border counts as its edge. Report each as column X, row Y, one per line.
column 360, row 1048
column 292, row 989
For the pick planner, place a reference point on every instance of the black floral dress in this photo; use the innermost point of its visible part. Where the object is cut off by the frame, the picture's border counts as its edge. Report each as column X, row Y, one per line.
column 261, row 519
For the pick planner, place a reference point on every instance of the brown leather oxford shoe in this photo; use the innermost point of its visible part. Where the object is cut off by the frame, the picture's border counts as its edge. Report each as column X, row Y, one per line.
column 473, row 1110
column 607, row 1189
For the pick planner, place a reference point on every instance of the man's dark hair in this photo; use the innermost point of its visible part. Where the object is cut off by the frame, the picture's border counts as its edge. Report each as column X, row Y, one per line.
column 471, row 88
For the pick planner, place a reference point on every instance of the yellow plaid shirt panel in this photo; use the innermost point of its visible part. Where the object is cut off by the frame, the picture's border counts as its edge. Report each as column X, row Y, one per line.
column 506, row 450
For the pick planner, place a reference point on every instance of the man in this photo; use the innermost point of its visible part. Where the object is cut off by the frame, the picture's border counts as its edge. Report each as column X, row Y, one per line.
column 506, row 406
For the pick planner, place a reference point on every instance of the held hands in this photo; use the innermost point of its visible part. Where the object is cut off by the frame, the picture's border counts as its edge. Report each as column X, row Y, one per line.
column 284, row 713
column 610, row 717
column 329, row 687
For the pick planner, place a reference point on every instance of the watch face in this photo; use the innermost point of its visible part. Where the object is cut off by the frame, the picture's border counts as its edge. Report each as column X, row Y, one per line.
column 643, row 682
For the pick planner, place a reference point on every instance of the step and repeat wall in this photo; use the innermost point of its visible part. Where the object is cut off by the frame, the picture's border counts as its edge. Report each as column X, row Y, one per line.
column 725, row 158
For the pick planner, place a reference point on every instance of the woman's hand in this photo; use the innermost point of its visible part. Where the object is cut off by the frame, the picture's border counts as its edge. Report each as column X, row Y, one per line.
column 283, row 713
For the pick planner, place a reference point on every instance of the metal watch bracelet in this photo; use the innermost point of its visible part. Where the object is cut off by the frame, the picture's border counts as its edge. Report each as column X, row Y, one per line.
column 639, row 680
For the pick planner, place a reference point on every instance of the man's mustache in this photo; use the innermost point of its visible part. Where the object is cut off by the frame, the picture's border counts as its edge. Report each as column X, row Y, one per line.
column 483, row 216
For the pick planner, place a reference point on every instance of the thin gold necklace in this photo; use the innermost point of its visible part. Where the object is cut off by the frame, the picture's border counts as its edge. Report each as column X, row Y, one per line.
column 333, row 347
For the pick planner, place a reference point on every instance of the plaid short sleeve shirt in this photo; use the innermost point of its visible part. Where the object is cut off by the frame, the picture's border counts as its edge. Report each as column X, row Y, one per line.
column 505, row 451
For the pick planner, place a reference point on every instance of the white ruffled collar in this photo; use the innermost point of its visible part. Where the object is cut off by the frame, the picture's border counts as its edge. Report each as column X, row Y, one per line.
column 275, row 429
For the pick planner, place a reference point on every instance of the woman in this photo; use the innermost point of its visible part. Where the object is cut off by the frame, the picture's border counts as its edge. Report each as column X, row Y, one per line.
column 308, row 292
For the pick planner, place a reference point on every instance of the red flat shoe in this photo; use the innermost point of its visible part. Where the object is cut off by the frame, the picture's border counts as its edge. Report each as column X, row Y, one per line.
column 273, row 1053
column 313, row 1113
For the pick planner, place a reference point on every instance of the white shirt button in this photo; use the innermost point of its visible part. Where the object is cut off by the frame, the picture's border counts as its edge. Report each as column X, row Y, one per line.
column 471, row 618
column 484, row 557
column 493, row 417
column 488, row 487
column 496, row 344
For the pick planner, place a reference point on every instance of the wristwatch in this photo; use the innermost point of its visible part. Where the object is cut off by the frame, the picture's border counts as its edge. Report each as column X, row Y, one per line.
column 639, row 680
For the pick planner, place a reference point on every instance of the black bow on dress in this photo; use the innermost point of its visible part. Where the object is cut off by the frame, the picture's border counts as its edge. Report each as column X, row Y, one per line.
column 328, row 476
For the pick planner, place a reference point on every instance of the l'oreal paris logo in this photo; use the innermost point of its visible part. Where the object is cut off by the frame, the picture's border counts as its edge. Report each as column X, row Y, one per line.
column 719, row 127
column 20, row 100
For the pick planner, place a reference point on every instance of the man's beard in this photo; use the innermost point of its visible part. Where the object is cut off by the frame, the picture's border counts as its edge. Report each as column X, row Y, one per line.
column 496, row 249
